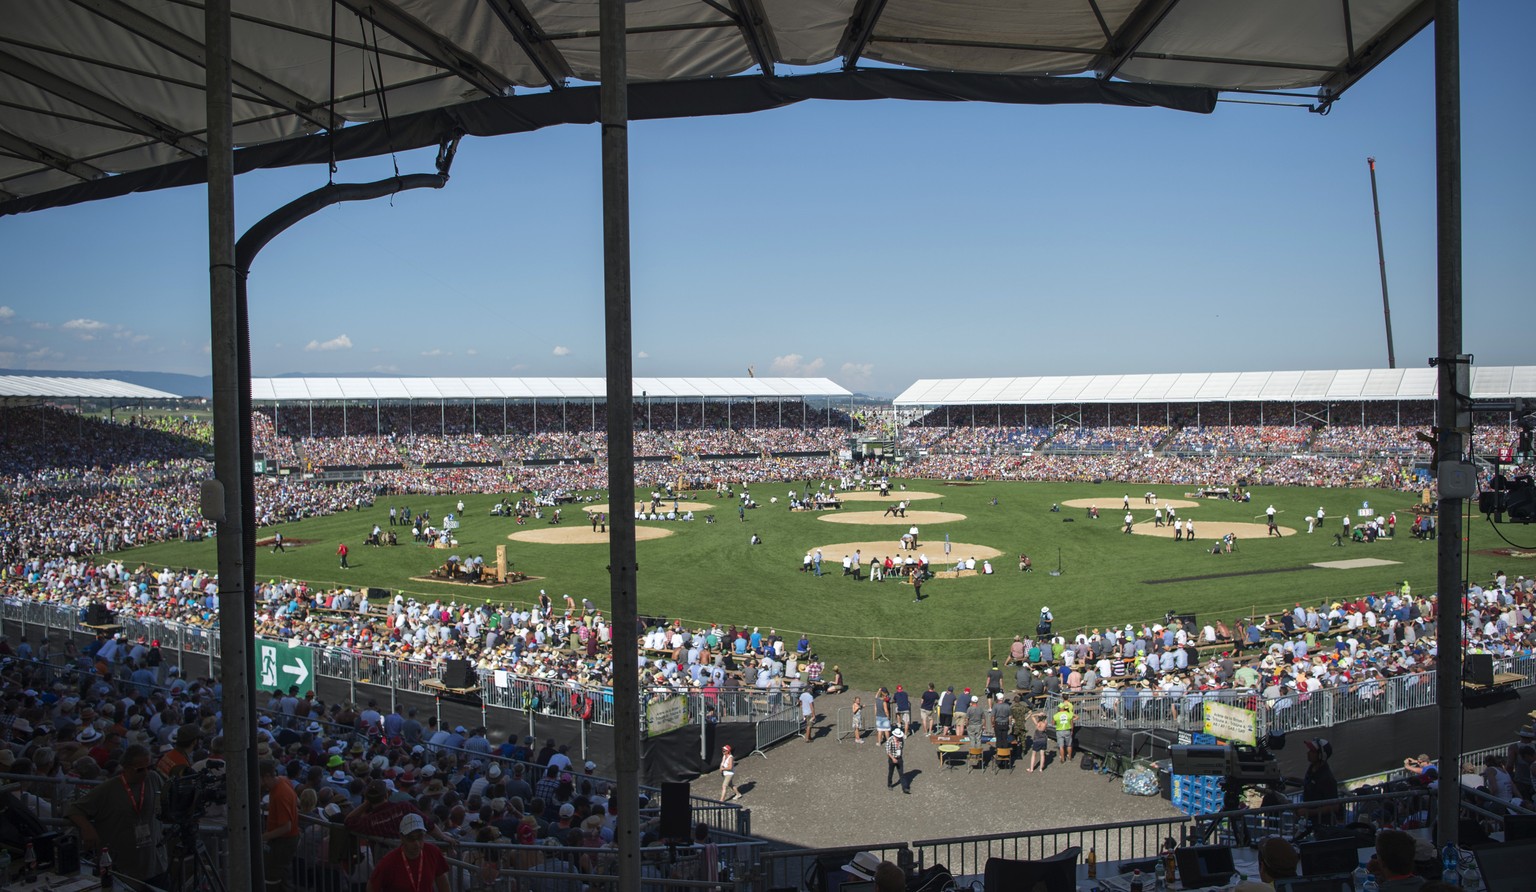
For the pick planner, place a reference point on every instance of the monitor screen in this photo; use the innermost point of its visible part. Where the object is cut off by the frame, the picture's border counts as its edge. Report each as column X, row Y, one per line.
column 1204, row 865
column 1329, row 857
column 1519, row 827
column 1507, row 867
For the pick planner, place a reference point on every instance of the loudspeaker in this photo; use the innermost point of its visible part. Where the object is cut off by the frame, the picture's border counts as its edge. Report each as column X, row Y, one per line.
column 676, row 811
column 97, row 614
column 378, row 594
column 457, row 674
column 1478, row 669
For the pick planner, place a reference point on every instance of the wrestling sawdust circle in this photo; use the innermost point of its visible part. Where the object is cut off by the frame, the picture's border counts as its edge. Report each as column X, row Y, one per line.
column 577, row 534
column 1116, row 504
column 872, row 518
column 895, row 496
column 1210, row 530
column 832, row 555
column 666, row 505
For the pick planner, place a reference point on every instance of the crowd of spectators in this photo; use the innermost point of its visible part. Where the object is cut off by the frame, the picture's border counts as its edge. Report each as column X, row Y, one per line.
column 353, row 772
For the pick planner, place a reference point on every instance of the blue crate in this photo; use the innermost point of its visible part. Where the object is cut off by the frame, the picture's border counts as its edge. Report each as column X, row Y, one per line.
column 1202, row 739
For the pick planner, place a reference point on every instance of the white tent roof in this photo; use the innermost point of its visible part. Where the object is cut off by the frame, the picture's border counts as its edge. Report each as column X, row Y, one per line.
column 1488, row 383
column 266, row 390
column 91, row 90
column 30, row 387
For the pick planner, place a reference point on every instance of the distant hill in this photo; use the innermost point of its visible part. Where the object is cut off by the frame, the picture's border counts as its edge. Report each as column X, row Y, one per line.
column 181, row 385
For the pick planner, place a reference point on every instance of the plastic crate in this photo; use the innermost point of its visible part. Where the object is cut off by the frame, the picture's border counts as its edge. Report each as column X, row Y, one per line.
column 1198, row 739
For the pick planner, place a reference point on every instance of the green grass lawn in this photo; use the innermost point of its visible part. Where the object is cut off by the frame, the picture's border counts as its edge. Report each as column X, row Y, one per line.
column 709, row 572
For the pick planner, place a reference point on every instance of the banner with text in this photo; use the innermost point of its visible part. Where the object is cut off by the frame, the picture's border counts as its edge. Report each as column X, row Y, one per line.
column 1232, row 723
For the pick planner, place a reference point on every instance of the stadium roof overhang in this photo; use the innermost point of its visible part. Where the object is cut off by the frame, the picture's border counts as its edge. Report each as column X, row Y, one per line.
column 100, row 98
column 31, row 389
column 1344, row 385
column 267, row 390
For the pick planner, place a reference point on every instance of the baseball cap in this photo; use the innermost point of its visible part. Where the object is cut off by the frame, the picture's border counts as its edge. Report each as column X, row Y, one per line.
column 591, row 765
column 1321, row 746
column 975, row 699
column 567, row 810
column 412, row 823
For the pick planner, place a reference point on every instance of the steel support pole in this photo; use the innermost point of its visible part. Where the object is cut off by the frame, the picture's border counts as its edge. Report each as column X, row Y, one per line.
column 1381, row 261
column 232, row 457
column 613, row 117
column 1448, row 259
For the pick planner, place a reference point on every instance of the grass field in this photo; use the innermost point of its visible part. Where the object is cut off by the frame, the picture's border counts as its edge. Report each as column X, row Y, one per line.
column 710, row 573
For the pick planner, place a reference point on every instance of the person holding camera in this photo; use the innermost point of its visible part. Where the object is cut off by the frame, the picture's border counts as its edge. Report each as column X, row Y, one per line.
column 123, row 815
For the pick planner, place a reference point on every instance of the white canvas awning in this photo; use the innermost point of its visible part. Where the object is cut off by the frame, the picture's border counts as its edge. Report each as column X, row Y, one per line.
column 1346, row 385
column 290, row 390
column 104, row 97
column 25, row 387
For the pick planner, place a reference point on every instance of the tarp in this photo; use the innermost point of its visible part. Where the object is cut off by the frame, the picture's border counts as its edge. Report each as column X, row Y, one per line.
column 100, row 98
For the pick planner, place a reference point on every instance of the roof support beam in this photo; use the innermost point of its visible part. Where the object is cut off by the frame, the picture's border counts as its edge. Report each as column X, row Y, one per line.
column 526, row 32
column 33, row 152
column 49, row 82
column 1367, row 57
column 861, row 27
column 172, row 40
column 750, row 19
column 1138, row 26
column 429, row 43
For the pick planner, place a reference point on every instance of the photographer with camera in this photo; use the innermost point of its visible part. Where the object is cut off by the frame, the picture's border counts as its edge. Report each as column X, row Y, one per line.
column 123, row 814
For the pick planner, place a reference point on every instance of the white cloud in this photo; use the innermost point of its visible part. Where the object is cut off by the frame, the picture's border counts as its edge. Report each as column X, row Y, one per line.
column 340, row 342
column 436, row 351
column 520, row 366
column 472, row 351
column 85, row 325
column 562, row 351
column 642, row 355
column 126, row 334
column 7, row 314
column 856, row 372
column 386, row 369
column 45, row 353
column 794, row 365
column 41, row 326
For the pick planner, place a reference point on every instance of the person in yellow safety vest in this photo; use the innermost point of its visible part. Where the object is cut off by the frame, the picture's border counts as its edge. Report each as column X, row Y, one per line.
column 1062, row 721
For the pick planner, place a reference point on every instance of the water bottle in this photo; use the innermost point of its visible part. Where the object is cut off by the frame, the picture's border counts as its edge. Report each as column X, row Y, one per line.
column 1450, row 862
column 1361, row 877
column 1370, row 884
column 1162, row 875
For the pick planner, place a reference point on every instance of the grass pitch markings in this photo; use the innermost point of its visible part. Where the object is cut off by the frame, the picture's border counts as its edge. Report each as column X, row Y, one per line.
column 722, row 507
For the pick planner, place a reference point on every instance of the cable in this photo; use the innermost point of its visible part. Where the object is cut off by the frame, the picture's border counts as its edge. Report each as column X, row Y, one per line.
column 1496, row 532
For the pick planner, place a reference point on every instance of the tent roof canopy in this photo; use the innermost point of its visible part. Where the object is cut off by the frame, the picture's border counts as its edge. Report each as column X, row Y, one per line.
column 267, row 390
column 1345, row 385
column 105, row 97
column 27, row 388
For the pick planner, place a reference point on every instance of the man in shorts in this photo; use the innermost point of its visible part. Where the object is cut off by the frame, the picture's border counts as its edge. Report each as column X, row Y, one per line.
column 929, row 702
column 1062, row 721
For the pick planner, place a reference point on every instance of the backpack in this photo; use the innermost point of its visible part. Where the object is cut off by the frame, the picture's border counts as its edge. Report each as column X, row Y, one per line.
column 1088, row 762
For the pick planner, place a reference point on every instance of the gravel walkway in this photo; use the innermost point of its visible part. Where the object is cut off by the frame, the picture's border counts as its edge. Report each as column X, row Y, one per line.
column 831, row 793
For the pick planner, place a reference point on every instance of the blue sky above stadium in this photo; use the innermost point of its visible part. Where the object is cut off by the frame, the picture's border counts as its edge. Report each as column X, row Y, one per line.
column 873, row 243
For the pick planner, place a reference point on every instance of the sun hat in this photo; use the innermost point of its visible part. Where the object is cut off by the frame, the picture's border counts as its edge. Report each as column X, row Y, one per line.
column 897, row 732
column 863, row 865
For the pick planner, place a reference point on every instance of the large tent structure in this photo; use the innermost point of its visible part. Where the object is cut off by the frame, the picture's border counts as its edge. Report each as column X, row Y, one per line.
column 105, row 97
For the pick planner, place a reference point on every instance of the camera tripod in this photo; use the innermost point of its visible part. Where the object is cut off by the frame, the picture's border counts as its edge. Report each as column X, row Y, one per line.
column 192, row 868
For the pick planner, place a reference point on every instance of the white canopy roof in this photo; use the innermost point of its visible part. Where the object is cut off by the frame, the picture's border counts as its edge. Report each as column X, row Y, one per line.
column 1488, row 383
column 266, row 390
column 30, row 387
column 94, row 90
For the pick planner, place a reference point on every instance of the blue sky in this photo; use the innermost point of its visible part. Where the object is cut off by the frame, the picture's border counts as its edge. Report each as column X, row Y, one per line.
column 871, row 242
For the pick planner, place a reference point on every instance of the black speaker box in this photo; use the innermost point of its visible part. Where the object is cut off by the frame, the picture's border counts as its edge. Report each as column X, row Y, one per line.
column 457, row 674
column 676, row 811
column 378, row 594
column 97, row 614
column 1478, row 669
